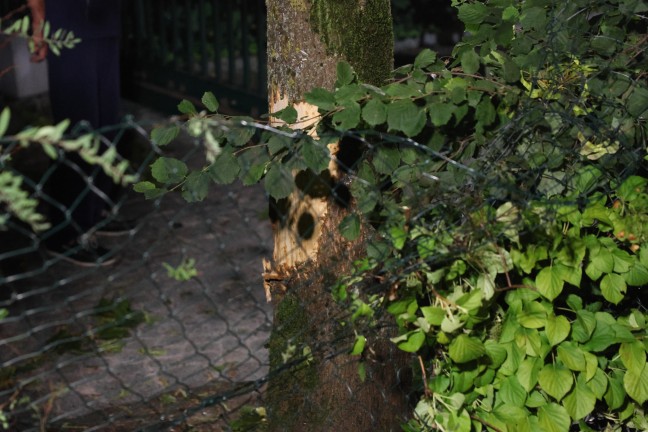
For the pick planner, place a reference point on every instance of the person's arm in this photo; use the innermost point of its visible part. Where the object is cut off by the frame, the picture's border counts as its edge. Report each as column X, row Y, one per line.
column 37, row 8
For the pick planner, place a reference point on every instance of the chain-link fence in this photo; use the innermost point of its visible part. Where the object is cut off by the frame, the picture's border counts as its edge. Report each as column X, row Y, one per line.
column 176, row 326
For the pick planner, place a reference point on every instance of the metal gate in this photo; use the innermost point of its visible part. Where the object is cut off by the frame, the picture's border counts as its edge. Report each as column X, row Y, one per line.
column 174, row 49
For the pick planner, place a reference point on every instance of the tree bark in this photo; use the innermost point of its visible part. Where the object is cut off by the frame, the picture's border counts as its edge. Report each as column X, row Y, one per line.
column 315, row 384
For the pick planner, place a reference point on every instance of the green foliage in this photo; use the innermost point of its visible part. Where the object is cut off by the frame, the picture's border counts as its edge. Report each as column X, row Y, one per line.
column 56, row 41
column 507, row 189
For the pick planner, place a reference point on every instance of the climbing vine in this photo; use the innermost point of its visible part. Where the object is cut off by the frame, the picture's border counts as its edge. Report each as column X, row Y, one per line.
column 506, row 191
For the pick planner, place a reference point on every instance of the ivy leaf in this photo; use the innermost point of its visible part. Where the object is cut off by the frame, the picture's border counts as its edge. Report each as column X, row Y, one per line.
column 187, row 107
column 279, row 182
column 196, row 186
column 527, row 373
column 169, row 170
column 210, row 101
column 549, row 283
column 403, row 115
column 557, row 329
column 635, row 384
column 581, row 400
column 613, row 287
column 162, row 136
column 374, row 112
column 321, row 98
column 225, row 168
column 350, row 227
column 464, row 348
column 556, row 380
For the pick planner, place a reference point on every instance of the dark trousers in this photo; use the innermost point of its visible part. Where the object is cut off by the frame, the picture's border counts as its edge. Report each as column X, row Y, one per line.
column 84, row 88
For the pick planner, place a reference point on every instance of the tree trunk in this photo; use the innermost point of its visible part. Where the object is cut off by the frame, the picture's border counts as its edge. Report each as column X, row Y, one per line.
column 315, row 384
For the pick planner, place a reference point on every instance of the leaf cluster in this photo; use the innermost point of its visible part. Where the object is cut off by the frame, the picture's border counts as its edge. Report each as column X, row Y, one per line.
column 507, row 190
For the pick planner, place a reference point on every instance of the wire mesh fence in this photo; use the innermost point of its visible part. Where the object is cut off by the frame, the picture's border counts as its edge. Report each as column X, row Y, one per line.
column 102, row 344
column 480, row 259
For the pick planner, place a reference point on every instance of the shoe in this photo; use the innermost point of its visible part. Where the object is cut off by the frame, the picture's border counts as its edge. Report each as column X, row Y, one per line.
column 115, row 227
column 87, row 255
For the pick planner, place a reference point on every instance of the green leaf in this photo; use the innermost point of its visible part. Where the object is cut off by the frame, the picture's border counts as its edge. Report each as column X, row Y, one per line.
column 473, row 13
column 533, row 18
column 533, row 316
column 345, row 74
column 143, row 186
column 279, row 182
column 600, row 262
column 210, row 101
column 350, row 227
column 598, row 383
column 549, row 283
column 225, row 168
column 581, row 400
column 464, row 348
column 470, row 61
column 411, row 342
column 403, row 115
column 359, row 345
column 321, row 98
column 5, row 116
column 316, row 155
column 583, row 326
column 386, row 159
column 635, row 384
column 485, row 112
column 571, row 356
column 553, row 418
column 169, row 170
column 434, row 315
column 637, row 275
column 602, row 337
column 512, row 393
column 440, row 113
column 374, row 112
column 425, row 58
column 527, row 373
column 186, row 107
column 240, row 135
column 638, row 102
column 556, row 380
column 615, row 396
column 162, row 136
column 348, row 118
column 287, row 115
column 252, row 163
column 613, row 287
column 633, row 355
column 557, row 329
column 196, row 186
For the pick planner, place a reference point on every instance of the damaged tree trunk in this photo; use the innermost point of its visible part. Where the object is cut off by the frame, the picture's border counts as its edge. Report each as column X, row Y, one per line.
column 315, row 384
